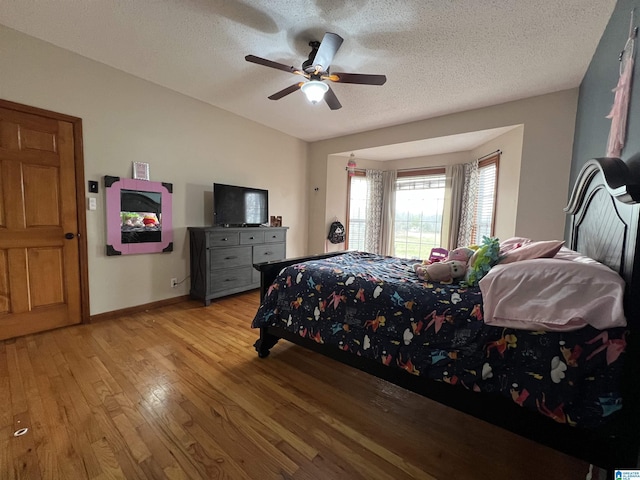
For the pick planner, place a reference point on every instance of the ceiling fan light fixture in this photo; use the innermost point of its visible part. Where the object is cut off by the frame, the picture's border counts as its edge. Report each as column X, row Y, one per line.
column 314, row 90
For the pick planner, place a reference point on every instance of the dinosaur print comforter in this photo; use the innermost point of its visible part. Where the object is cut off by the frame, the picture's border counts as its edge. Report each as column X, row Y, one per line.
column 376, row 307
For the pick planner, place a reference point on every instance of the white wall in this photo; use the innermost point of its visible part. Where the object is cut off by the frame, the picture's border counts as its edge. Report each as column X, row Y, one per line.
column 542, row 186
column 186, row 142
column 442, row 160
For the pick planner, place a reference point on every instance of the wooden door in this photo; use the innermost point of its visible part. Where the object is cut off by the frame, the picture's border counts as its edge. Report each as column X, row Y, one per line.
column 40, row 284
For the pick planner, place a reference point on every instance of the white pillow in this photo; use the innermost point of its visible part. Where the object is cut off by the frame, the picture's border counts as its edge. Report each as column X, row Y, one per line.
column 553, row 294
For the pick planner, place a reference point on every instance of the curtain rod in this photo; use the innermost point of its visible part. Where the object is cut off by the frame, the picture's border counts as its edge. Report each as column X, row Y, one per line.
column 429, row 167
column 499, row 152
column 432, row 167
column 417, row 169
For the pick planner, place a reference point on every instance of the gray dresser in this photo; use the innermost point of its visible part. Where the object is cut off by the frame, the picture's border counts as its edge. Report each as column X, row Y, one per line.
column 222, row 258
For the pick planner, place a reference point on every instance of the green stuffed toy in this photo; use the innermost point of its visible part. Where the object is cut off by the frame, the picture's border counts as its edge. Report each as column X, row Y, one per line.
column 485, row 257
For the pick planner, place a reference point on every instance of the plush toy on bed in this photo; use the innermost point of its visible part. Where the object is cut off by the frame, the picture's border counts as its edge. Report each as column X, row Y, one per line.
column 461, row 254
column 442, row 272
column 453, row 266
column 485, row 257
column 463, row 262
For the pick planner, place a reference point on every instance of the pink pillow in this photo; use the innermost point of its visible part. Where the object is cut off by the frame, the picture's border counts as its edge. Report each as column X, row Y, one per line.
column 514, row 242
column 531, row 250
column 568, row 254
column 552, row 294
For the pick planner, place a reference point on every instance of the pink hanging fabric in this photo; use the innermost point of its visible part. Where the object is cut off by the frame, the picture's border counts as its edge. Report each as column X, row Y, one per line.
column 619, row 111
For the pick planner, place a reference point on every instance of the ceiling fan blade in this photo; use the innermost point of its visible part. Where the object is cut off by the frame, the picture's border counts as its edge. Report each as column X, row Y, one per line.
column 286, row 91
column 269, row 63
column 328, row 47
column 359, row 78
column 332, row 100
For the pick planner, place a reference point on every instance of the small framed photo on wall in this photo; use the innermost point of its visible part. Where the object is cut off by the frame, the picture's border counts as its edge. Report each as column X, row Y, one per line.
column 140, row 171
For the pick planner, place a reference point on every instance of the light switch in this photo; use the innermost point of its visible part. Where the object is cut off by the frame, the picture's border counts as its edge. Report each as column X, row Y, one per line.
column 93, row 204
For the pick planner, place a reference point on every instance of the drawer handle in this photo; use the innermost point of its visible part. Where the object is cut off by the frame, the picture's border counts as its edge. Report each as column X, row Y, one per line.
column 229, row 279
column 224, row 239
column 251, row 238
column 268, row 253
column 274, row 236
column 231, row 257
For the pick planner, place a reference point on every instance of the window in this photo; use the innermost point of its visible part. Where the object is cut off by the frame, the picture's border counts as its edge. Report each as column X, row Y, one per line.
column 357, row 208
column 418, row 214
column 486, row 201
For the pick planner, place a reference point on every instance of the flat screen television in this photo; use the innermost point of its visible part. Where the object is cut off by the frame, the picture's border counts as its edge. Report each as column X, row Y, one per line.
column 235, row 206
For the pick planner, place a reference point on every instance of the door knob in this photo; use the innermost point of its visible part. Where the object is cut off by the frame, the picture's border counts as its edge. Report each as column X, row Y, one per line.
column 69, row 236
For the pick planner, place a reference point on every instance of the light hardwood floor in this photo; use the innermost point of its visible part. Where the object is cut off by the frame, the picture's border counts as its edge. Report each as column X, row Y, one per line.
column 178, row 392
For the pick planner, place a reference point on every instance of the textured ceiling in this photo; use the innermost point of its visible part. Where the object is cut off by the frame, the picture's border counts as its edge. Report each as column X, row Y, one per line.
column 439, row 56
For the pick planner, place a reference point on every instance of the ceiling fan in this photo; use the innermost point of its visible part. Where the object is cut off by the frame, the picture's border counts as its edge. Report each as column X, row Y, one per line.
column 316, row 69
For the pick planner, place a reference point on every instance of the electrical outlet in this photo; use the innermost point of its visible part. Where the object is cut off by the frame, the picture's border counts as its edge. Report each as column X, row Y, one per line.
column 174, row 282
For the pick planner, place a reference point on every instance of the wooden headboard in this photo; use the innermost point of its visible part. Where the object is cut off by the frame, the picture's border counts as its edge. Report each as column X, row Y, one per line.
column 604, row 222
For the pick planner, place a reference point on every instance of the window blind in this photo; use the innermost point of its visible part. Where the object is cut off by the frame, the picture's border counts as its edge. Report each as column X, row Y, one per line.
column 422, row 182
column 486, row 200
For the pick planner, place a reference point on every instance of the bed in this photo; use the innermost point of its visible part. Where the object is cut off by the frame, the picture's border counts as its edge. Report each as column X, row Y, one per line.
column 573, row 390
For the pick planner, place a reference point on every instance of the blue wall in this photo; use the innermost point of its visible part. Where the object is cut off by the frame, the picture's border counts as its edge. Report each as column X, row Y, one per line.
column 596, row 98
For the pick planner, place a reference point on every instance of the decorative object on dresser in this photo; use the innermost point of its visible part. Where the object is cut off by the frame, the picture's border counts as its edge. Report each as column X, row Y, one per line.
column 222, row 258
column 276, row 221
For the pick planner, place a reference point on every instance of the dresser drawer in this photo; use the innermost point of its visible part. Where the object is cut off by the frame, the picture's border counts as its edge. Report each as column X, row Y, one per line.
column 267, row 253
column 228, row 279
column 229, row 257
column 249, row 238
column 219, row 239
column 275, row 237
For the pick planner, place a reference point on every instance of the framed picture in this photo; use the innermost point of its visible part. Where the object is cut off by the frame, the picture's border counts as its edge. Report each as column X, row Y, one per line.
column 140, row 171
column 139, row 216
column 275, row 221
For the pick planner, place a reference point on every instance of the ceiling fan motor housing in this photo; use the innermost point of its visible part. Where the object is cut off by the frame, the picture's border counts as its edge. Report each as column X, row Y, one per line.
column 308, row 65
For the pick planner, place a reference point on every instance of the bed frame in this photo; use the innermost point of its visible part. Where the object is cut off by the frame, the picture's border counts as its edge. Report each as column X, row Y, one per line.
column 603, row 224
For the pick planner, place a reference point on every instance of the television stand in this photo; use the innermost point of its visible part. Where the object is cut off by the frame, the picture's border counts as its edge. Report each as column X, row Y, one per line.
column 222, row 258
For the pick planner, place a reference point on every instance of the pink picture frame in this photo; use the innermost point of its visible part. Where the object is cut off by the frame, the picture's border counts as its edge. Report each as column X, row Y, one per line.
column 156, row 234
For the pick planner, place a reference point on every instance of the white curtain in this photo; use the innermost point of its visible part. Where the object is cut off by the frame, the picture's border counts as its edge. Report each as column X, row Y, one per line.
column 373, row 222
column 469, row 196
column 455, row 177
column 387, row 227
